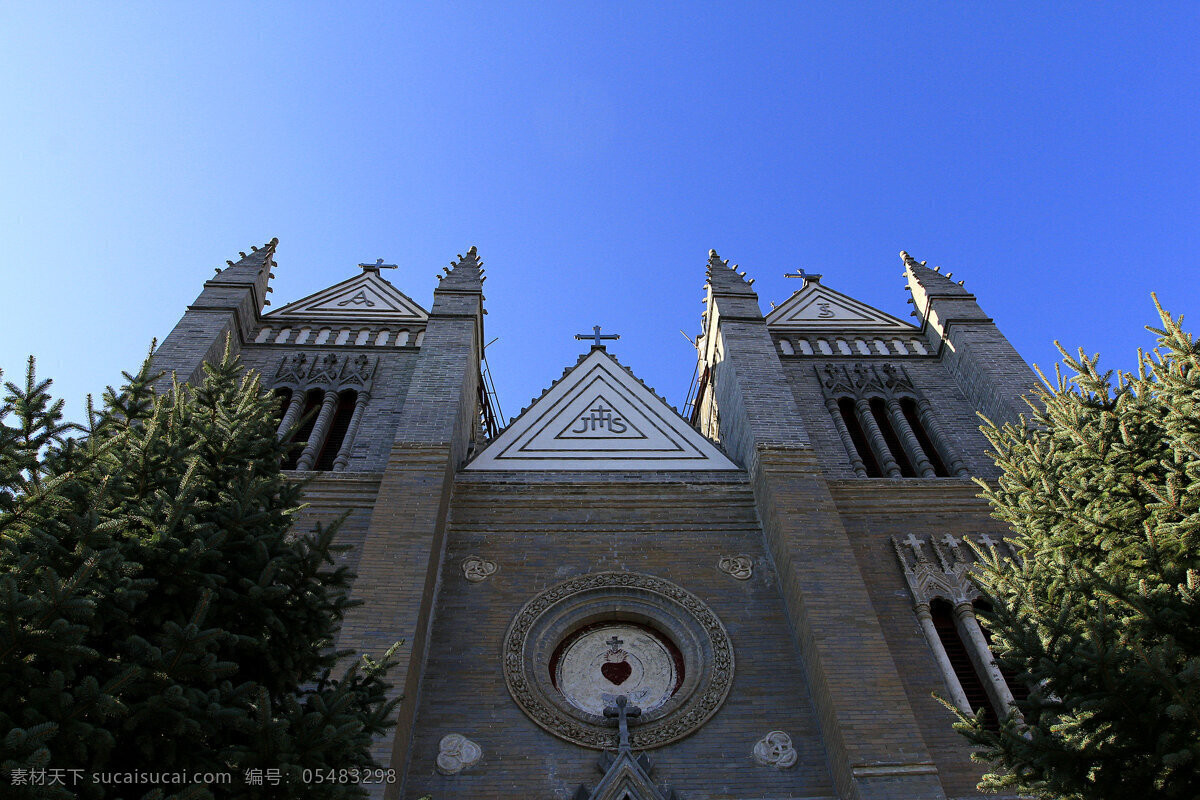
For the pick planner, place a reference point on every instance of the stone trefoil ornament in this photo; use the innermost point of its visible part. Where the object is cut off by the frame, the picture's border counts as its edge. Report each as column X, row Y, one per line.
column 456, row 753
column 739, row 566
column 775, row 750
column 476, row 569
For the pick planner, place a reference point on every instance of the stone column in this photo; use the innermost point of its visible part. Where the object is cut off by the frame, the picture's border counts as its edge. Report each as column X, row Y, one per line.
column 934, row 429
column 294, row 409
column 863, row 406
column 320, row 429
column 856, row 461
column 981, row 656
column 343, row 455
column 957, row 695
column 915, row 453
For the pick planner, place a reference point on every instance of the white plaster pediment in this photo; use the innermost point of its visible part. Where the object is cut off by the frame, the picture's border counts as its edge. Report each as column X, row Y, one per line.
column 365, row 297
column 817, row 307
column 597, row 417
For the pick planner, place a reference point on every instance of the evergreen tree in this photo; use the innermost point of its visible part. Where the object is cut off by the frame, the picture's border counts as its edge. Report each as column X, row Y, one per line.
column 155, row 613
column 1100, row 616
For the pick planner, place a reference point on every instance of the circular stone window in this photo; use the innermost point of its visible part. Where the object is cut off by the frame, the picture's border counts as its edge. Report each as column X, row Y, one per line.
column 574, row 648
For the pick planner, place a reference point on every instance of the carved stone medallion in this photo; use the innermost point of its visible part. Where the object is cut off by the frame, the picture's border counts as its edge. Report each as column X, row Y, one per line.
column 456, row 752
column 740, row 566
column 578, row 645
column 775, row 750
column 476, row 569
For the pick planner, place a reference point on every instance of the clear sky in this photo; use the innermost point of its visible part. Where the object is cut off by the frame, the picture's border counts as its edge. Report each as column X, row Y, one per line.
column 594, row 152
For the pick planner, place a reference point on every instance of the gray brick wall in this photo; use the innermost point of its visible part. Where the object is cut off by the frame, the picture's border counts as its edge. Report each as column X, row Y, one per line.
column 542, row 528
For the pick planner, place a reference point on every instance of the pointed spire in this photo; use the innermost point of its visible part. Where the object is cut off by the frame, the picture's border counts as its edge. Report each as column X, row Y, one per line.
column 724, row 278
column 252, row 268
column 931, row 282
column 466, row 273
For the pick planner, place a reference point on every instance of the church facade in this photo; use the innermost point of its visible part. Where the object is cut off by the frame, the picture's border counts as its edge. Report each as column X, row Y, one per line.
column 608, row 599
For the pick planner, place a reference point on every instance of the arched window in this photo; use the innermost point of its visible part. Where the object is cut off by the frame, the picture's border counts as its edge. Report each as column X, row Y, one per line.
column 859, row 437
column 880, row 413
column 960, row 659
column 337, row 430
column 909, row 407
column 1018, row 689
column 312, row 402
column 283, row 395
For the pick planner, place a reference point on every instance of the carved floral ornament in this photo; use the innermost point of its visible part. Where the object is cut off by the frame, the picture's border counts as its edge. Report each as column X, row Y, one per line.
column 562, row 613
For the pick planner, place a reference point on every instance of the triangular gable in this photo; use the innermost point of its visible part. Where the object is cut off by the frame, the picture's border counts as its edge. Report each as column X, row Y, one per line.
column 817, row 307
column 363, row 298
column 627, row 779
column 597, row 417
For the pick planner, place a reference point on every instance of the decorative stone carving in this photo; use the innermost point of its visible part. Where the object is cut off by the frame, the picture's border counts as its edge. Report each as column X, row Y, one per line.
column 476, row 569
column 562, row 611
column 863, row 380
column 940, row 566
column 739, row 566
column 456, row 752
column 775, row 750
column 330, row 371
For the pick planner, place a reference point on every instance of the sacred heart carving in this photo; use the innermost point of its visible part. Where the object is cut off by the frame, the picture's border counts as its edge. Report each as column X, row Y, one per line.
column 616, row 671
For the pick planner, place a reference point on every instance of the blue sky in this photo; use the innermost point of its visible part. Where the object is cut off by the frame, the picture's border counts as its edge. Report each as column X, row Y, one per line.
column 594, row 153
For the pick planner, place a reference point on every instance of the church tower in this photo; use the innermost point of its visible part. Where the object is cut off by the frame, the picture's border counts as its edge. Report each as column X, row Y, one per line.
column 607, row 599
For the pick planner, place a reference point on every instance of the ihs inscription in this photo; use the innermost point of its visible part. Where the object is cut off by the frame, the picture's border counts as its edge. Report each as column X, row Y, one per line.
column 600, row 418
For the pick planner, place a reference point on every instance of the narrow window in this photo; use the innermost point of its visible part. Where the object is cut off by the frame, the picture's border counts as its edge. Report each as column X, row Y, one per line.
column 859, row 437
column 337, row 430
column 879, row 412
column 960, row 659
column 312, row 403
column 909, row 407
column 284, row 397
column 1018, row 689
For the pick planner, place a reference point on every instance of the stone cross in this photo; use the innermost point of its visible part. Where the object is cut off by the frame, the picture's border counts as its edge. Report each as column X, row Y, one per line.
column 378, row 265
column 622, row 710
column 915, row 543
column 595, row 334
column 952, row 543
column 805, row 276
column 614, row 644
column 988, row 541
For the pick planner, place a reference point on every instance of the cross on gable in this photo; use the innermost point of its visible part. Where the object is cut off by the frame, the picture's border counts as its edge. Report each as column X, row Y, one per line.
column 622, row 711
column 595, row 334
column 805, row 276
column 378, row 265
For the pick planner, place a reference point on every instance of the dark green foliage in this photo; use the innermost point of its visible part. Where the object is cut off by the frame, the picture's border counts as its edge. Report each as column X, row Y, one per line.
column 155, row 615
column 1102, row 618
